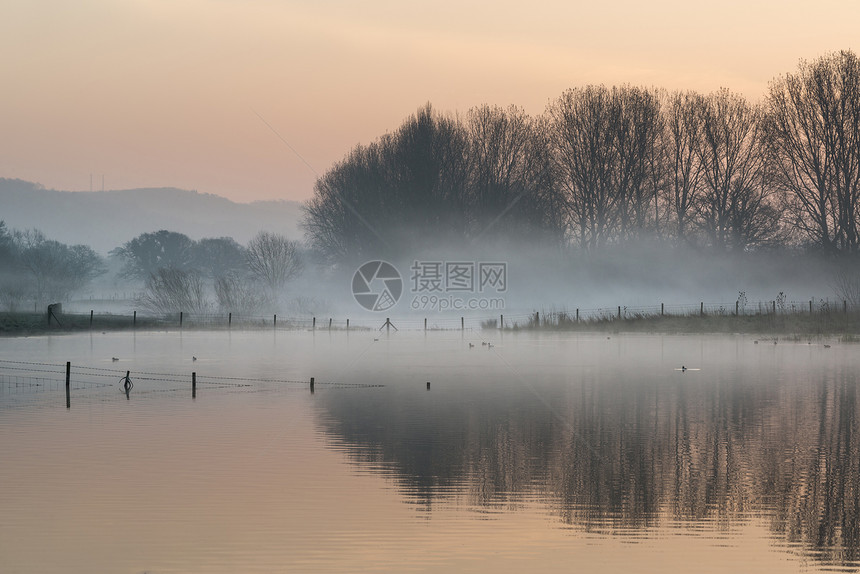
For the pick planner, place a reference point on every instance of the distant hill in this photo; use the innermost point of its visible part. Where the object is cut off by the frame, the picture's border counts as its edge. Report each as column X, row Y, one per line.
column 107, row 219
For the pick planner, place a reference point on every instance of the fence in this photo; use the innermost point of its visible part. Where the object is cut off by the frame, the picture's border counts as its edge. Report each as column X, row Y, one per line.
column 26, row 378
column 551, row 317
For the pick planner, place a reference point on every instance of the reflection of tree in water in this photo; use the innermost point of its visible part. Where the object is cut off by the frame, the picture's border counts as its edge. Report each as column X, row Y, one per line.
column 813, row 471
column 621, row 457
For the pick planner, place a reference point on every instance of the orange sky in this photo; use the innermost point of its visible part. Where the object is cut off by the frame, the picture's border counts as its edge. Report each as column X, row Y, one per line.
column 166, row 92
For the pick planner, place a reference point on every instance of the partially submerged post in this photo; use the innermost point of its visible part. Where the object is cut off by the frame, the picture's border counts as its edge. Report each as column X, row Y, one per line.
column 194, row 385
column 462, row 324
column 68, row 381
column 428, row 385
column 91, row 318
column 312, row 385
column 275, row 321
column 701, row 309
column 314, row 324
column 661, row 309
column 180, row 319
column 229, row 320
column 134, row 320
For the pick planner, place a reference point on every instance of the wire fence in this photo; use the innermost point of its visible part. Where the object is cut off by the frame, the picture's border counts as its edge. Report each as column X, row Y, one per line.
column 464, row 320
column 22, row 378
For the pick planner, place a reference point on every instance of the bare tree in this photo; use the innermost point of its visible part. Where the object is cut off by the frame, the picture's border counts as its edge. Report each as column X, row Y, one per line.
column 274, row 260
column 846, row 283
column 343, row 217
column 605, row 145
column 679, row 143
column 734, row 208
column 384, row 198
column 638, row 128
column 237, row 294
column 583, row 127
column 511, row 178
column 170, row 290
column 814, row 125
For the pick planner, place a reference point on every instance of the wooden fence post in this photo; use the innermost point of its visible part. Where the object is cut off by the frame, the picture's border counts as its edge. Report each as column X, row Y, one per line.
column 68, row 381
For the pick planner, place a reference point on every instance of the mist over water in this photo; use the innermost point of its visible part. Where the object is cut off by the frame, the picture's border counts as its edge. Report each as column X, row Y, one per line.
column 640, row 275
column 542, row 450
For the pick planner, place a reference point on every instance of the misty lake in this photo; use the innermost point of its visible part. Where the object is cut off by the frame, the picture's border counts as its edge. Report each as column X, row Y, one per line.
column 543, row 453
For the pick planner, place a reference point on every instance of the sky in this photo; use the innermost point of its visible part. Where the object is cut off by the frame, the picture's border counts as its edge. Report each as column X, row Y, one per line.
column 253, row 99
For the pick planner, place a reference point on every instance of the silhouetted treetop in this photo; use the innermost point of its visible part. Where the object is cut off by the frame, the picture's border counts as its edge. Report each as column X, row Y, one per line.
column 609, row 165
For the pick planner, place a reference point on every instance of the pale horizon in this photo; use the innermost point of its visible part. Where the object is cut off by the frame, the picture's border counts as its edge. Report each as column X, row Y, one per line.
column 163, row 94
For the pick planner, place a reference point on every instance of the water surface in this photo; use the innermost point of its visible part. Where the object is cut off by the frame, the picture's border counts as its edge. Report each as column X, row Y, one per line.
column 540, row 453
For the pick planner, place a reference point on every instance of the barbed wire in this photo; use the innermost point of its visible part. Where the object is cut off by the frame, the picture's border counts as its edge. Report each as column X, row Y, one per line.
column 211, row 381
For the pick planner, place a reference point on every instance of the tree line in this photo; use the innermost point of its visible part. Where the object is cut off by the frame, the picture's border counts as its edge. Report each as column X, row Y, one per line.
column 177, row 273
column 42, row 270
column 603, row 165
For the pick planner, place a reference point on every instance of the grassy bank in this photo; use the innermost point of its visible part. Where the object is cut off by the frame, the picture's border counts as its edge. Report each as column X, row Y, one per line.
column 26, row 324
column 845, row 325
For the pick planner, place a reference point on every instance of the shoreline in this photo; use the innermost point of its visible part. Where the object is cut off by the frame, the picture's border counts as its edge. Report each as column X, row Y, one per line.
column 845, row 325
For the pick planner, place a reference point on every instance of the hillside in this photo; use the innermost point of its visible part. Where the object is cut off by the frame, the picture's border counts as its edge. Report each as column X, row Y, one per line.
column 106, row 219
